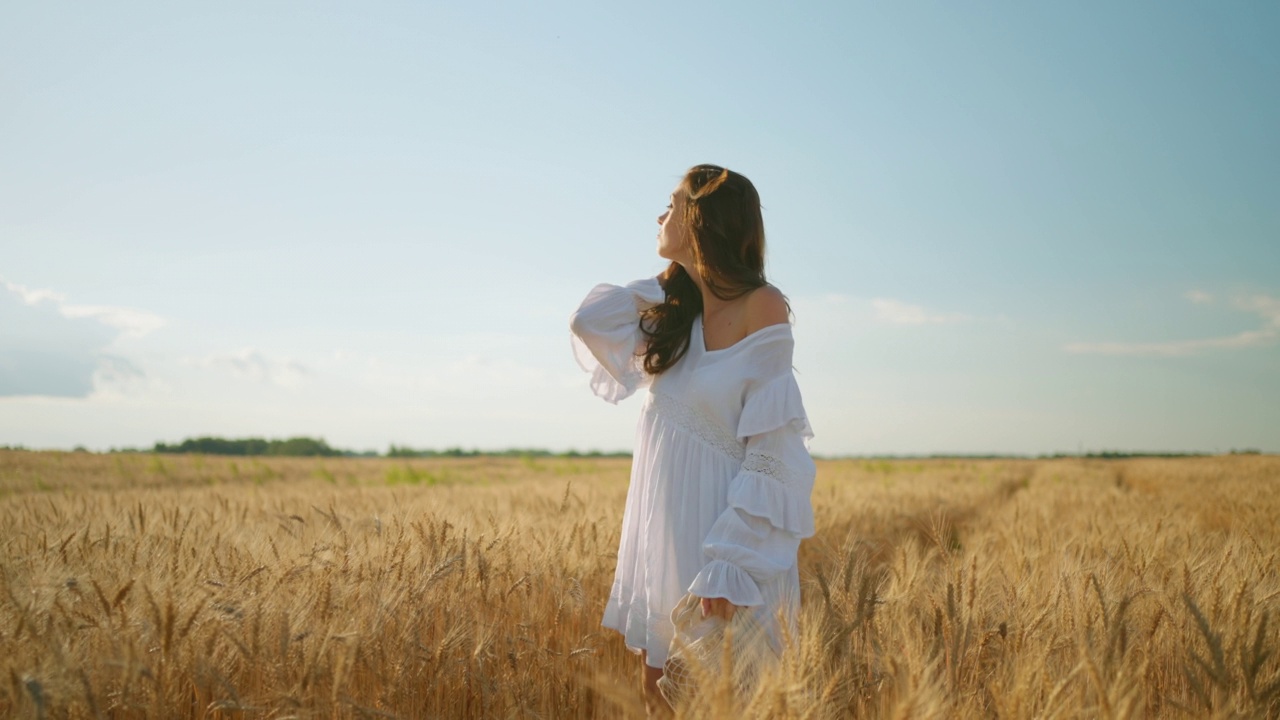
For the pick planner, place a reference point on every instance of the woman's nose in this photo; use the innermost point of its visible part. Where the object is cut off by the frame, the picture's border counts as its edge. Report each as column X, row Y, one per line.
column 662, row 218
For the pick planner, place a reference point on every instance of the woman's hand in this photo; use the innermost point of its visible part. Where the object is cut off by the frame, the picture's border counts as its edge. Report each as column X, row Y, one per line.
column 719, row 607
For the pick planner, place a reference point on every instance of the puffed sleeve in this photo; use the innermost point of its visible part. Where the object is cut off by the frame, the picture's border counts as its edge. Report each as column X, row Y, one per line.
column 606, row 336
column 770, row 509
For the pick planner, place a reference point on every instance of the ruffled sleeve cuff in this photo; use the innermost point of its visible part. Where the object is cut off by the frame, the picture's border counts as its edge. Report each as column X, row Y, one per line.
column 726, row 580
column 605, row 335
column 606, row 386
column 612, row 378
column 774, row 404
column 779, row 493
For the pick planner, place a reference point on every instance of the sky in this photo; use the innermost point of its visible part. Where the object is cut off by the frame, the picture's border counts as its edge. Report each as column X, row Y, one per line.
column 1006, row 228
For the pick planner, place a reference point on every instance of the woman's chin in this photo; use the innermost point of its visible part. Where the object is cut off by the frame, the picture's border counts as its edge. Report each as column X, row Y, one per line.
column 667, row 253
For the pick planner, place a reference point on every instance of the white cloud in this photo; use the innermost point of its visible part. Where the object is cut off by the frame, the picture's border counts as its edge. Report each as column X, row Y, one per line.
column 51, row 348
column 133, row 323
column 1199, row 297
column 34, row 297
column 253, row 364
column 116, row 376
column 1252, row 338
column 1265, row 307
column 474, row 367
column 896, row 312
column 841, row 311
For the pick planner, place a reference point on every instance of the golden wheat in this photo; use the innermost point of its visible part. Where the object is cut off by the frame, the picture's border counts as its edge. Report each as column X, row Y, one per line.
column 187, row 586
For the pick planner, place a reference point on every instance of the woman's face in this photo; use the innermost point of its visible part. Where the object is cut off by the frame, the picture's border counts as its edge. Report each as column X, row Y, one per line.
column 673, row 236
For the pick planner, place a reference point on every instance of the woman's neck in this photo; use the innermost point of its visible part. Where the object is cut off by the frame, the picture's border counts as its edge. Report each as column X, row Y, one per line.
column 710, row 303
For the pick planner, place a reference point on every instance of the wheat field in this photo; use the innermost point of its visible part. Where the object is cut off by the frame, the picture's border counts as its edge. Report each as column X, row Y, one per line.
column 202, row 587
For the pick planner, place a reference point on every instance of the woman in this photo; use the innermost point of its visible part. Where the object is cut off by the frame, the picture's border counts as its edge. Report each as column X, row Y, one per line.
column 721, row 478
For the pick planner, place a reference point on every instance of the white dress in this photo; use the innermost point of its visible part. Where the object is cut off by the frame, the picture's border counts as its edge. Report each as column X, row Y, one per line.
column 721, row 476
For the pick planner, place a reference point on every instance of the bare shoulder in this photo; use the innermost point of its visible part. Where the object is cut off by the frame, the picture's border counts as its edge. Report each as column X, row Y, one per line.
column 766, row 306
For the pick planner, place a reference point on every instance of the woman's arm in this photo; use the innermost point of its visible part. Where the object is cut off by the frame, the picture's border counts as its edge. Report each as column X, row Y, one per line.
column 770, row 512
column 606, row 336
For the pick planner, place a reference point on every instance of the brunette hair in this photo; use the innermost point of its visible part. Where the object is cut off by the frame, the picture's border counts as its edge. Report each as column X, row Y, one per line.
column 726, row 238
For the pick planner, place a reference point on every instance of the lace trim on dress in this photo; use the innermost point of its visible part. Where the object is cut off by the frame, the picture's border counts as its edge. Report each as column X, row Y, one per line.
column 769, row 466
column 696, row 422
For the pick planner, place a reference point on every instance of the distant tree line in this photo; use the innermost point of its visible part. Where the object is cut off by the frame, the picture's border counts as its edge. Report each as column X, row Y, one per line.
column 293, row 447
column 402, row 451
column 1122, row 454
column 315, row 447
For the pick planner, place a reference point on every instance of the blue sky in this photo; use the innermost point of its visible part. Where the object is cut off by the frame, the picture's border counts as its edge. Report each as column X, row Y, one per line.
column 1008, row 228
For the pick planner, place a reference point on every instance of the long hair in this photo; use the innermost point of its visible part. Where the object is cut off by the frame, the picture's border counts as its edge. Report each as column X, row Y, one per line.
column 726, row 237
